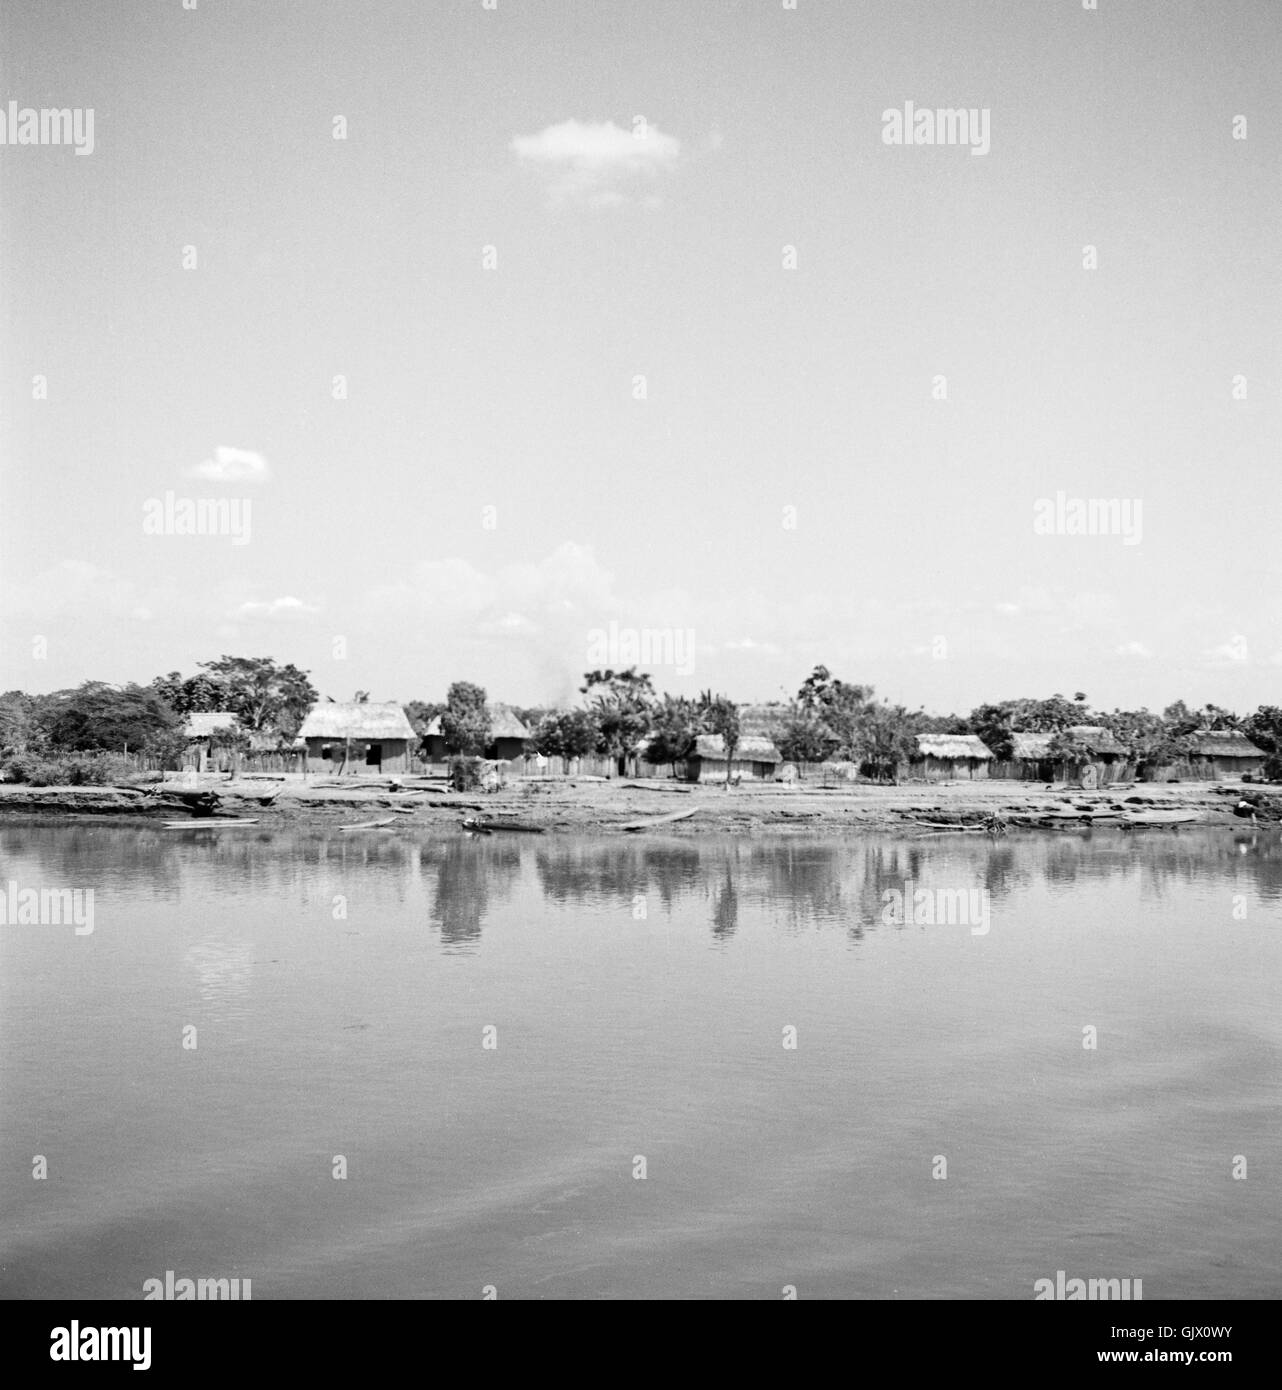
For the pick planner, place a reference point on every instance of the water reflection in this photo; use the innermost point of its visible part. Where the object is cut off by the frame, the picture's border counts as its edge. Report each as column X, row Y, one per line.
column 797, row 884
column 639, row 986
column 469, row 875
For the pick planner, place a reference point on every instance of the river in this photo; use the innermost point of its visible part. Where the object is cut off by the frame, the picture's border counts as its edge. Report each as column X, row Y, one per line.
column 388, row 1066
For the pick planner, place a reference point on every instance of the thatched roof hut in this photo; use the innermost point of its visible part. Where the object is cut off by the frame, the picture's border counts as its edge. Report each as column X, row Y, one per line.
column 508, row 735
column 357, row 719
column 358, row 735
column 208, row 723
column 951, row 755
column 1225, row 743
column 754, row 756
column 750, row 748
column 953, row 746
column 205, row 749
column 506, row 723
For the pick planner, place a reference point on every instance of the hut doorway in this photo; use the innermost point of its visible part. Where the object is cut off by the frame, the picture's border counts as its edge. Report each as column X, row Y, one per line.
column 374, row 756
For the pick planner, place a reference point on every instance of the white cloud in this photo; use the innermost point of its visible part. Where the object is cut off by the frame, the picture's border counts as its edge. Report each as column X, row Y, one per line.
column 1137, row 649
column 286, row 607
column 1230, row 652
column 232, row 466
column 598, row 163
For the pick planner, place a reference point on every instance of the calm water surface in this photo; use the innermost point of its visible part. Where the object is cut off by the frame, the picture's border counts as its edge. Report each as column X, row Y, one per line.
column 340, row 988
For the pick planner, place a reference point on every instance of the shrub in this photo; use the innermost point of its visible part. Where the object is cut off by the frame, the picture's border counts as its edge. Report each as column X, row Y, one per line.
column 465, row 773
column 66, row 769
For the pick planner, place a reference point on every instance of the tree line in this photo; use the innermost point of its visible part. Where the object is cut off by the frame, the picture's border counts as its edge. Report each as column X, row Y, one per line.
column 826, row 719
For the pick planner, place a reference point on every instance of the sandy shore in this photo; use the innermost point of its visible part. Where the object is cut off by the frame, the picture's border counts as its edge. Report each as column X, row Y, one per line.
column 605, row 807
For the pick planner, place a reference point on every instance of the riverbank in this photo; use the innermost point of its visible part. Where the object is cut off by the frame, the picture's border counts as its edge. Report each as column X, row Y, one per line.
column 611, row 807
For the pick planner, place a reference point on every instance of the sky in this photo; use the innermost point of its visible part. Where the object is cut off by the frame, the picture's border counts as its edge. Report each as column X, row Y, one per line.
column 516, row 341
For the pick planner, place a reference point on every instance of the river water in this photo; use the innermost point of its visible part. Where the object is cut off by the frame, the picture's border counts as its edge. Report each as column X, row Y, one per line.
column 606, row 1068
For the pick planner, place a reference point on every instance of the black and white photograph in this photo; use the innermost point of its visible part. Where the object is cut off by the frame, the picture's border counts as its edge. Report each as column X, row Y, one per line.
column 640, row 660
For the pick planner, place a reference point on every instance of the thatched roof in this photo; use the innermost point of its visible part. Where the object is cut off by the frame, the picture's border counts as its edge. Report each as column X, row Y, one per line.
column 208, row 723
column 1097, row 738
column 504, row 723
column 1034, row 746
column 1225, row 743
column 357, row 719
column 952, row 746
column 761, row 721
column 751, row 748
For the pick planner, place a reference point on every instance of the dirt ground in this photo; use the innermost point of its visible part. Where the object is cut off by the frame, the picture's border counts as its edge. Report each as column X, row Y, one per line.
column 592, row 806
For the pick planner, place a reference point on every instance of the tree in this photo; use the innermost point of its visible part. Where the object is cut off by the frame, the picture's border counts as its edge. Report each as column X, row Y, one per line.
column 1150, row 740
column 566, row 734
column 720, row 715
column 803, row 737
column 420, row 713
column 1264, row 728
column 465, row 721
column 262, row 693
column 101, row 716
column 884, row 738
column 1179, row 718
column 835, row 705
column 1216, row 717
column 18, row 727
column 993, row 725
column 197, row 694
column 354, row 749
column 622, row 704
column 1049, row 716
column 997, row 723
column 673, row 731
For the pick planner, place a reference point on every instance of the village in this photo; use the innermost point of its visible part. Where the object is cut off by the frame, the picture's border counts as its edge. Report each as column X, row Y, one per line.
column 247, row 739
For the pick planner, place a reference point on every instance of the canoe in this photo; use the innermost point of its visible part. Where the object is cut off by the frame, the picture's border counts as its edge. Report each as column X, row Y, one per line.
column 660, row 820
column 369, row 824
column 210, row 824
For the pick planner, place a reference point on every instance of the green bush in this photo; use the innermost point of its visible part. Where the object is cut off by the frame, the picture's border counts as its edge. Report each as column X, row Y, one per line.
column 465, row 773
column 65, row 769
